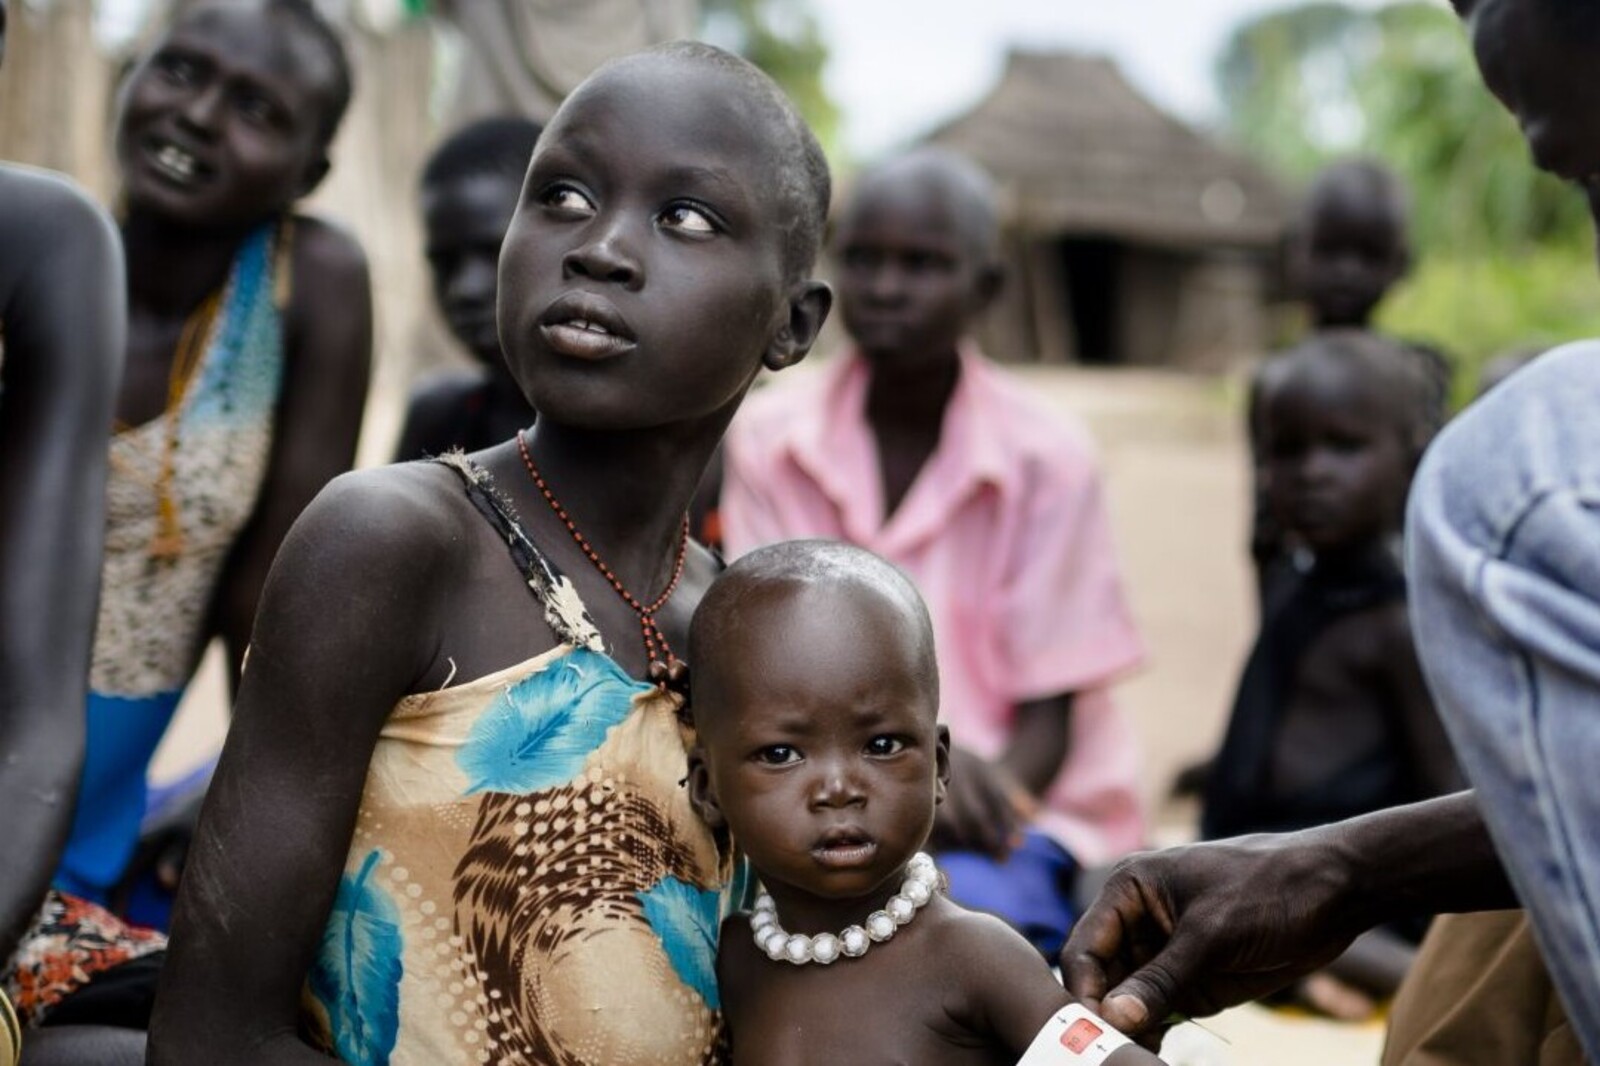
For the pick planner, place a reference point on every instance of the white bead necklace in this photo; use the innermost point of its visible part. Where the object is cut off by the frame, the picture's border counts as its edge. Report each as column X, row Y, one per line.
column 922, row 879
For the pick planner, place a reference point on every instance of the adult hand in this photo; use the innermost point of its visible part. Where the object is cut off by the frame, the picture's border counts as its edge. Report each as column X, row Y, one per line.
column 984, row 809
column 1197, row 929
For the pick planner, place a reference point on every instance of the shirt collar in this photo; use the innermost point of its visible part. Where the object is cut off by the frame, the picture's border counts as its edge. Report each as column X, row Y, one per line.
column 834, row 445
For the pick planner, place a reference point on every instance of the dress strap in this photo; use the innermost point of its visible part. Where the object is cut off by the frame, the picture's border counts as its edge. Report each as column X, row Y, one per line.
column 563, row 609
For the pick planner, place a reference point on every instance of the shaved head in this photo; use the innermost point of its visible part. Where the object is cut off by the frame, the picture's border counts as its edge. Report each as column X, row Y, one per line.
column 816, row 576
column 963, row 187
column 799, row 167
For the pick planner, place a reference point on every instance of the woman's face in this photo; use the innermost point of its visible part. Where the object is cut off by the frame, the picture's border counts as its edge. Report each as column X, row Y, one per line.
column 221, row 124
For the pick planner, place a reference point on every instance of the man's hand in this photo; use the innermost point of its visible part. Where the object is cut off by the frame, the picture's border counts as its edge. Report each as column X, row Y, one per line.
column 984, row 810
column 1197, row 929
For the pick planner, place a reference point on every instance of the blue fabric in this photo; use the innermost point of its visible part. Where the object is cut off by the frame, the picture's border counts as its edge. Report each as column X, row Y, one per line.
column 122, row 737
column 1504, row 530
column 1031, row 888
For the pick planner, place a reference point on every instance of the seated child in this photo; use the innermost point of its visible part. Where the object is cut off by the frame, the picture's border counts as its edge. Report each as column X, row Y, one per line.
column 1332, row 718
column 470, row 188
column 915, row 446
column 1349, row 247
column 815, row 700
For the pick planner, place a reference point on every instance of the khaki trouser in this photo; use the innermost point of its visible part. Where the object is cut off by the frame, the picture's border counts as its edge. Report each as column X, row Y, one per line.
column 1479, row 995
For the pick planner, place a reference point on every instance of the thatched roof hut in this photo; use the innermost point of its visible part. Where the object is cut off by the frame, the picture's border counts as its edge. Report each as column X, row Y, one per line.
column 1133, row 237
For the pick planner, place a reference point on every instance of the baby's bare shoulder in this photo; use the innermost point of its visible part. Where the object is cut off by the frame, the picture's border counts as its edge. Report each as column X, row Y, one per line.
column 1006, row 987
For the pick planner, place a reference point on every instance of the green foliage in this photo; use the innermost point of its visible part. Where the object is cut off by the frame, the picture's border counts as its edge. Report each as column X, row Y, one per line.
column 1504, row 252
column 783, row 39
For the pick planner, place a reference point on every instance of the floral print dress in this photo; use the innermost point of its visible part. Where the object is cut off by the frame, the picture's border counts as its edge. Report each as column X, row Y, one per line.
column 527, row 882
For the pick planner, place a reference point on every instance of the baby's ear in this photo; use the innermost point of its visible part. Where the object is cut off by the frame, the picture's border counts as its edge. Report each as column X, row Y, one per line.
column 941, row 762
column 702, row 796
column 809, row 304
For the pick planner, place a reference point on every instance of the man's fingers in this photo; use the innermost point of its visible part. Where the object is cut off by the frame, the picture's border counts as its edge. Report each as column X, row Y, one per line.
column 1143, row 1002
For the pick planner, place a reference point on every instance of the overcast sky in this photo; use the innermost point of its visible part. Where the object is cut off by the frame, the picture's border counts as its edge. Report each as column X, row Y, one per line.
column 899, row 66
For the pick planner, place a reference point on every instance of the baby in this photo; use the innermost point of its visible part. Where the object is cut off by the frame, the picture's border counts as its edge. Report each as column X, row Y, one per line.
column 815, row 702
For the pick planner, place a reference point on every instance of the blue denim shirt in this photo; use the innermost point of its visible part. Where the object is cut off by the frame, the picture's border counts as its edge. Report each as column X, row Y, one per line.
column 1504, row 542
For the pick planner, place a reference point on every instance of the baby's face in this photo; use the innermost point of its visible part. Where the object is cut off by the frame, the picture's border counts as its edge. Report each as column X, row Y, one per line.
column 820, row 739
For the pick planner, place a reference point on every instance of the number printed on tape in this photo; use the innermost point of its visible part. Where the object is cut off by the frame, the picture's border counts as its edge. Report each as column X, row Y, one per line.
column 1073, row 1037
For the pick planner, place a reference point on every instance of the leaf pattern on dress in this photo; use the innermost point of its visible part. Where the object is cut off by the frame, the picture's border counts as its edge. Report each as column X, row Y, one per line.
column 356, row 976
column 685, row 919
column 538, row 733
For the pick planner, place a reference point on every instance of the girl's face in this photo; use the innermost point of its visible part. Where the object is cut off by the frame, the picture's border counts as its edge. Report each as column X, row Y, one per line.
column 642, row 279
column 220, row 125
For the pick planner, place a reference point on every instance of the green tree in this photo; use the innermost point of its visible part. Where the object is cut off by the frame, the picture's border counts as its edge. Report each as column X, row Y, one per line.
column 782, row 38
column 1503, row 251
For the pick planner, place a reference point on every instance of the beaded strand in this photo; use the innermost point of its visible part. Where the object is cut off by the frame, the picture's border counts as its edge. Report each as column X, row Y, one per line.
column 665, row 668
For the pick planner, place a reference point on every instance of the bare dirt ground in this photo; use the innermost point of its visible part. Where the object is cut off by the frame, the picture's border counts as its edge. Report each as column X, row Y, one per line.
column 1176, row 473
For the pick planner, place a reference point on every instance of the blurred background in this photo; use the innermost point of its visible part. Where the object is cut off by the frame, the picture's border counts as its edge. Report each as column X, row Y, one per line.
column 1150, row 153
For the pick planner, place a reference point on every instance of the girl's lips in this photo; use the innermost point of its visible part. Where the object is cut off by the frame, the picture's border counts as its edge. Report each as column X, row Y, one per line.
column 582, row 343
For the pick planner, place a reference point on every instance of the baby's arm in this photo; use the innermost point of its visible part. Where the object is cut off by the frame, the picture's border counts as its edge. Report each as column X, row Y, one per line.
column 1010, row 988
column 1014, row 995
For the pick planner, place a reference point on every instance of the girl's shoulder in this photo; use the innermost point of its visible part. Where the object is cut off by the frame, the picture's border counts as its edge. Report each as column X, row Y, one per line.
column 412, row 516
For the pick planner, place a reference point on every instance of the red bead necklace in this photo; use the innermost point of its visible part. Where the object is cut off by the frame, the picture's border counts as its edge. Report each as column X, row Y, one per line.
column 666, row 669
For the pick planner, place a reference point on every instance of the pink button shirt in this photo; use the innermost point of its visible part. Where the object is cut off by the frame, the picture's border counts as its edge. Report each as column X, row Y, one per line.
column 1004, row 532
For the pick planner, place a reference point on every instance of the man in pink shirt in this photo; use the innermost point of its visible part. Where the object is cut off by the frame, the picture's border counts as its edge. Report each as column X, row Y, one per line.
column 916, row 447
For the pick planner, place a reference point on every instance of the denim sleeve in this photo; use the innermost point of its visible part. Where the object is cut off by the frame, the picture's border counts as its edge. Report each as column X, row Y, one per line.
column 1504, row 543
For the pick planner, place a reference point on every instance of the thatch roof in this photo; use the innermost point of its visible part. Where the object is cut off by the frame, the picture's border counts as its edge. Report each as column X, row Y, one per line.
column 1076, row 149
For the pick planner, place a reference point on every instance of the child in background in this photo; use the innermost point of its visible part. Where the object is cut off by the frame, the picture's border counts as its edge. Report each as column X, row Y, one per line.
column 815, row 701
column 1332, row 718
column 1349, row 247
column 470, row 188
column 915, row 446
column 1351, row 243
column 449, row 823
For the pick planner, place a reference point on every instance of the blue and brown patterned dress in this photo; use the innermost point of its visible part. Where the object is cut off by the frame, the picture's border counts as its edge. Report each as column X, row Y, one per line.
column 527, row 883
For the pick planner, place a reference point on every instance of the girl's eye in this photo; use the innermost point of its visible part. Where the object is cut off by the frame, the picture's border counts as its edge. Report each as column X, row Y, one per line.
column 688, row 219
column 566, row 198
column 777, row 755
column 885, row 745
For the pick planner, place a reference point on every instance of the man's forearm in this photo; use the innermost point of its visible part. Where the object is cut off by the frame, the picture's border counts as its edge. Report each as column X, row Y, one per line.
column 1433, row 857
